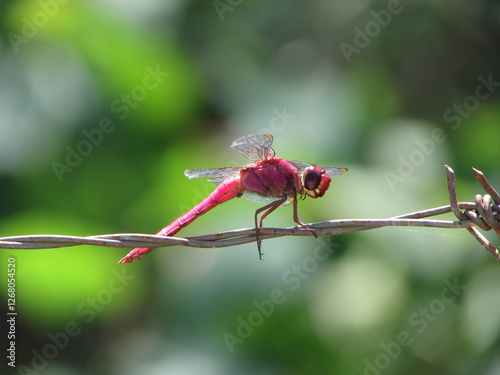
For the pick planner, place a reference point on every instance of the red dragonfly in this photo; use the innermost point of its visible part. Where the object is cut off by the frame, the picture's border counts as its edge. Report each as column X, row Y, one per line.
column 268, row 180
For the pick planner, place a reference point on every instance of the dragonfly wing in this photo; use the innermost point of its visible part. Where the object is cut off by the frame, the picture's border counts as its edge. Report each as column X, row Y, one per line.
column 331, row 171
column 261, row 199
column 216, row 175
column 255, row 146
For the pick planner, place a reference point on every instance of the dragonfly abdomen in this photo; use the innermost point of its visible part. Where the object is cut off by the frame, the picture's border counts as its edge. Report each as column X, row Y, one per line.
column 227, row 190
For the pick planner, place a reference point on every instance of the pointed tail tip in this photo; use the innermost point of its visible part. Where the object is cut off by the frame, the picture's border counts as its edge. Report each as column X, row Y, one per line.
column 135, row 254
column 126, row 259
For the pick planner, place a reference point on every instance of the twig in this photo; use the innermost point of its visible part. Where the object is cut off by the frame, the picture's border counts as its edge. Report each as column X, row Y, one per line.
column 481, row 213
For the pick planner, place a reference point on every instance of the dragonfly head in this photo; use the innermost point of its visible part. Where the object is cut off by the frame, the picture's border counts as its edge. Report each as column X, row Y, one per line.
column 315, row 181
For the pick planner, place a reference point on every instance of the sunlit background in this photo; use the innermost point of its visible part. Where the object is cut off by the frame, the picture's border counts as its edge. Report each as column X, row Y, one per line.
column 104, row 104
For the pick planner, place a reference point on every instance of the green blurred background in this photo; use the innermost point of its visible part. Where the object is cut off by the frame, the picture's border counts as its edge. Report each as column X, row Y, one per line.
column 103, row 105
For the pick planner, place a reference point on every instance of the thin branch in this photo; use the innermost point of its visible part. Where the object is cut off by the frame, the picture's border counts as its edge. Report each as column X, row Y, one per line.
column 481, row 213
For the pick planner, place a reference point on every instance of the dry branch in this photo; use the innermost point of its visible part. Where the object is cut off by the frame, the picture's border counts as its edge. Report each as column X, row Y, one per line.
column 482, row 213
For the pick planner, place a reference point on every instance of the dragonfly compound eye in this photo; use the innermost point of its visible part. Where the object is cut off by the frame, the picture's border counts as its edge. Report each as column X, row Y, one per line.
column 316, row 181
column 312, row 177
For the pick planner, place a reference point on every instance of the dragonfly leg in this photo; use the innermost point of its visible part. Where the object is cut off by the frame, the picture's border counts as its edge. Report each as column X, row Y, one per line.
column 270, row 208
column 296, row 217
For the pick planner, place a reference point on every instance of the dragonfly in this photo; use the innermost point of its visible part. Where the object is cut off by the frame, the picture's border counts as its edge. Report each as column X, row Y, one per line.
column 268, row 180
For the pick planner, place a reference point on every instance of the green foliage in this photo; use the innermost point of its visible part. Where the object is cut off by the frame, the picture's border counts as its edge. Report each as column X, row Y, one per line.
column 102, row 108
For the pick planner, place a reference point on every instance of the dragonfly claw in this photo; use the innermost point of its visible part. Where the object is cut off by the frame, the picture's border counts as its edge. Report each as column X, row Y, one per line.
column 261, row 254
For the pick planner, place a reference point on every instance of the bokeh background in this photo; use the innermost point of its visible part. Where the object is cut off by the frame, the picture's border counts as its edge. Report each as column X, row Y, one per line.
column 104, row 104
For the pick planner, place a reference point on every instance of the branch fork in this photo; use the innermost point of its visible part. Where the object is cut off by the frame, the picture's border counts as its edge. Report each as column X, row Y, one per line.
column 482, row 214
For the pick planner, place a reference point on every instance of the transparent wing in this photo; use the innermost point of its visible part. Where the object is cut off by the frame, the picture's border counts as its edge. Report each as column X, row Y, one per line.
column 255, row 146
column 331, row 171
column 261, row 199
column 216, row 175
